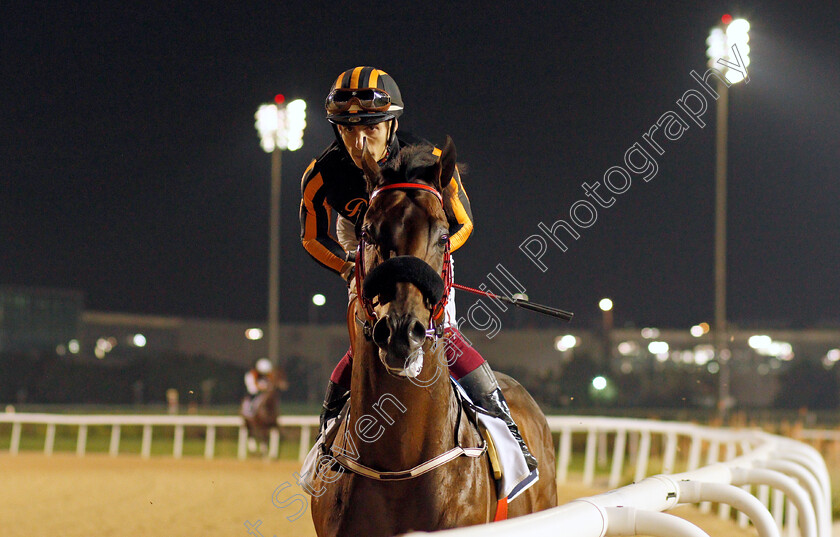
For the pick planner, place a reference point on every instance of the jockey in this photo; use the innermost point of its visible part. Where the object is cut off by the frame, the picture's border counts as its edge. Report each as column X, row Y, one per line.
column 364, row 105
column 259, row 380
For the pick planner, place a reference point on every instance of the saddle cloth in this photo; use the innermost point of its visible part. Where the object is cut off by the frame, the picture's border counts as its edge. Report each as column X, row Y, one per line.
column 515, row 478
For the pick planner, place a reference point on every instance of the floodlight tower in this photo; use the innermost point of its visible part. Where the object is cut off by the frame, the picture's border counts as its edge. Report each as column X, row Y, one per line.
column 727, row 47
column 280, row 126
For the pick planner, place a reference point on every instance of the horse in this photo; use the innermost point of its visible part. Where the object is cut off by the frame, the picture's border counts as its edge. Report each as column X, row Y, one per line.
column 260, row 413
column 404, row 413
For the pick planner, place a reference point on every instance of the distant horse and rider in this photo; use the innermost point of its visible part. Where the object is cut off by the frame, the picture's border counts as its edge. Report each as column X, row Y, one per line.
column 406, row 453
column 260, row 408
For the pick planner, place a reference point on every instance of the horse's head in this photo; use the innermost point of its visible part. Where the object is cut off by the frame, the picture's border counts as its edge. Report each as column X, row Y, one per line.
column 405, row 242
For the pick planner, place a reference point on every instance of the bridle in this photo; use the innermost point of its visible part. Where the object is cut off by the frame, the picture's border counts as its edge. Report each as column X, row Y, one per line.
column 436, row 318
column 434, row 332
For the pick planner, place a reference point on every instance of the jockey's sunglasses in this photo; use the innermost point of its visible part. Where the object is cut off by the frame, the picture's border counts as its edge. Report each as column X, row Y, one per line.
column 370, row 100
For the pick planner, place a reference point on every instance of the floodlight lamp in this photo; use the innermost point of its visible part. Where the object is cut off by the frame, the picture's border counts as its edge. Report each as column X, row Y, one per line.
column 738, row 27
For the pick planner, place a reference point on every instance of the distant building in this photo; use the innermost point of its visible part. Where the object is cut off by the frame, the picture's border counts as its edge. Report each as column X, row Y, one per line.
column 54, row 320
column 38, row 318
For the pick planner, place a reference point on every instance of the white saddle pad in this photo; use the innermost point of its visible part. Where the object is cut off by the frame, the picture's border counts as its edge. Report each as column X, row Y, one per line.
column 514, row 468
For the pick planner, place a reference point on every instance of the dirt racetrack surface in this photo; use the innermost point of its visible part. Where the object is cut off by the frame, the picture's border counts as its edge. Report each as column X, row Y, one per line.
column 96, row 495
column 67, row 496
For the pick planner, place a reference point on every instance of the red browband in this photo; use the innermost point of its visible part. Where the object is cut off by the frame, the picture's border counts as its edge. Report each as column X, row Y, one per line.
column 412, row 186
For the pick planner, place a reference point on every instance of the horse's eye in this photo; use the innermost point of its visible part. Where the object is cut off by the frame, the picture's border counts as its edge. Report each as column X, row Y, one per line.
column 443, row 239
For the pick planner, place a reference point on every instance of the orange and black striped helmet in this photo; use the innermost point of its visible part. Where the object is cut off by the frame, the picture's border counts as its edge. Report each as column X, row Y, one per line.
column 362, row 96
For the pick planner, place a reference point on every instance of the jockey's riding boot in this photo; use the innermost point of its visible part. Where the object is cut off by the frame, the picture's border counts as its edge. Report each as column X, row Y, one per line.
column 333, row 402
column 481, row 386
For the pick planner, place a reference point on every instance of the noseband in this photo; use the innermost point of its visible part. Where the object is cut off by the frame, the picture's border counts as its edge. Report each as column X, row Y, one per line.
column 436, row 317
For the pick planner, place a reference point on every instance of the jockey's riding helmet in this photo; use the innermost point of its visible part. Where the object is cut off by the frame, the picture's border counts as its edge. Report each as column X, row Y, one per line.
column 363, row 96
column 264, row 366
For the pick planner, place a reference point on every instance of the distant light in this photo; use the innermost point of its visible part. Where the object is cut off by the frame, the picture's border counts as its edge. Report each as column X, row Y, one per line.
column 833, row 355
column 734, row 76
column 73, row 346
column 726, row 19
column 99, row 352
column 104, row 345
column 713, row 367
column 628, row 347
column 279, row 98
column 605, row 304
column 759, row 342
column 318, row 299
column 281, row 126
column 599, row 383
column 295, row 123
column 564, row 343
column 696, row 330
column 705, row 327
column 782, row 350
column 721, row 44
column 268, row 122
column 61, row 349
column 650, row 333
column 738, row 29
column 703, row 354
column 139, row 340
column 658, row 347
column 253, row 334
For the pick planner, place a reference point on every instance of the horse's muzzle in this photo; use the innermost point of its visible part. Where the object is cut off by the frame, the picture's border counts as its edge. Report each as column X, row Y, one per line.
column 400, row 340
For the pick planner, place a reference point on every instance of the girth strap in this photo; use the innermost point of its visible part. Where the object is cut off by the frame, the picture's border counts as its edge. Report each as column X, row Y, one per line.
column 418, row 470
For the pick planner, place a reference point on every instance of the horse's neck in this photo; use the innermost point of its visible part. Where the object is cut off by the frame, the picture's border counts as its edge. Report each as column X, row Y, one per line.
column 417, row 422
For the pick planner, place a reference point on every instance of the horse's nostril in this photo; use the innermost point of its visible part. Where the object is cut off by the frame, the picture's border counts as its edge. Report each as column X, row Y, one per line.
column 418, row 331
column 381, row 332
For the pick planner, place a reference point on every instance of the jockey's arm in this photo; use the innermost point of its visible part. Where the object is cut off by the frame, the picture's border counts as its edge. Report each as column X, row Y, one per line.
column 315, row 216
column 251, row 382
column 461, row 217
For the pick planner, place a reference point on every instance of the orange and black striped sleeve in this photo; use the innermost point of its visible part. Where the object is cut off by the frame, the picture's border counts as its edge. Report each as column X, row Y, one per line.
column 315, row 216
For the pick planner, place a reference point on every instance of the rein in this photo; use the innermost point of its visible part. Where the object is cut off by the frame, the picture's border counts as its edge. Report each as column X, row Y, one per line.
column 435, row 329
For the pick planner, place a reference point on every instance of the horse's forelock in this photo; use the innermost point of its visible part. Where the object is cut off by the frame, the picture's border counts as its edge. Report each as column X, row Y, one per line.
column 413, row 163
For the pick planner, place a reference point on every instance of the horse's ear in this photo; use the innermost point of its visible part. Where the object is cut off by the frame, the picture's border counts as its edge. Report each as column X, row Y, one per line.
column 448, row 155
column 373, row 175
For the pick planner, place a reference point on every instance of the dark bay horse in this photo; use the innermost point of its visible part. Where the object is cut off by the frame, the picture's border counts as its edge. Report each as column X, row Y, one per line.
column 260, row 413
column 399, row 419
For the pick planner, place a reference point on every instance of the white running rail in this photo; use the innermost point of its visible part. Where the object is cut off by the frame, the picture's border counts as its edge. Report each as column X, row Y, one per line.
column 774, row 482
column 753, row 465
column 148, row 422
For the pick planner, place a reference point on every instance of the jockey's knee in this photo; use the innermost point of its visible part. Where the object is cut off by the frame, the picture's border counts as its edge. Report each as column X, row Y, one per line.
column 343, row 370
column 461, row 357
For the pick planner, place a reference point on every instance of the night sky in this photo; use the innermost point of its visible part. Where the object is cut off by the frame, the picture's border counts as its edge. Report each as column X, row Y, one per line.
column 131, row 169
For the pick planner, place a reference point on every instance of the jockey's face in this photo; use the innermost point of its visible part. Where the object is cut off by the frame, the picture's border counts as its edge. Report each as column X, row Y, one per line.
column 376, row 135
